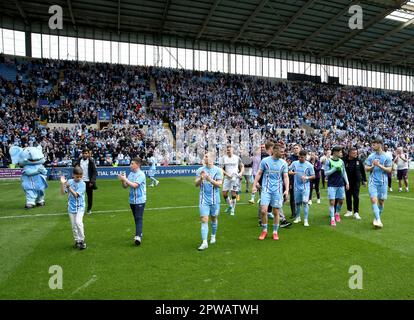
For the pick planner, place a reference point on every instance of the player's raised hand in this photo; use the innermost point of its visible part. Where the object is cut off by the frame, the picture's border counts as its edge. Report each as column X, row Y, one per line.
column 63, row 180
column 122, row 176
column 375, row 162
column 203, row 175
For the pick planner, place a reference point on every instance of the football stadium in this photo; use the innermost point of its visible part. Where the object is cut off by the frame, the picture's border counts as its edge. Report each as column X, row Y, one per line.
column 206, row 150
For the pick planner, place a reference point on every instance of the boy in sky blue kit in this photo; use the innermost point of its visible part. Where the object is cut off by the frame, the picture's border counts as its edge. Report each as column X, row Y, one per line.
column 275, row 173
column 76, row 189
column 137, row 195
column 209, row 179
column 303, row 172
column 379, row 164
column 337, row 183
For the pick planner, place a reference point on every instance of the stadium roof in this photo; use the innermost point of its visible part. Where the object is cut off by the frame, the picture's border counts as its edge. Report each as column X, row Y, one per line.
column 316, row 27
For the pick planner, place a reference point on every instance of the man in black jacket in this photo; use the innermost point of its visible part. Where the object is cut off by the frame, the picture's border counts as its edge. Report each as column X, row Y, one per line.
column 356, row 175
column 293, row 157
column 89, row 176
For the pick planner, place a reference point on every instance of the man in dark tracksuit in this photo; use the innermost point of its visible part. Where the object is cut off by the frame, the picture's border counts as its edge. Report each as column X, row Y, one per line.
column 317, row 166
column 89, row 176
column 292, row 158
column 356, row 175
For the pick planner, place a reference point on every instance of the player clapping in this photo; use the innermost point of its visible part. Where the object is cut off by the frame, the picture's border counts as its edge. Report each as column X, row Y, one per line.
column 233, row 169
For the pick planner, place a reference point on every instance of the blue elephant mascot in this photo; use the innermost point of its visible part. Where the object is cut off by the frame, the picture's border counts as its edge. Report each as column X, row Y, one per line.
column 34, row 174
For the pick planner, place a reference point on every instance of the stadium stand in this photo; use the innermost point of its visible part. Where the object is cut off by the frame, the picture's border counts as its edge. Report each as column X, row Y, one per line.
column 35, row 93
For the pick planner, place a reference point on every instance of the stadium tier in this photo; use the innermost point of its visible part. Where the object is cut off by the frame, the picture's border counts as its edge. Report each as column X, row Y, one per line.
column 46, row 92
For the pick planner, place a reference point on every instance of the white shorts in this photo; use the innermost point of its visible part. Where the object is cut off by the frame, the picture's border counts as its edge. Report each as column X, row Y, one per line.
column 248, row 171
column 231, row 184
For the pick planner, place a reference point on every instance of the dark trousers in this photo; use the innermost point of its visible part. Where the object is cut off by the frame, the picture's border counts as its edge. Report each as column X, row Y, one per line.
column 389, row 179
column 292, row 202
column 315, row 185
column 323, row 178
column 138, row 213
column 89, row 193
column 352, row 194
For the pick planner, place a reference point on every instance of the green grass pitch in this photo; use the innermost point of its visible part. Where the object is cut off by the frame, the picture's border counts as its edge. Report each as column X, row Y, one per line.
column 307, row 263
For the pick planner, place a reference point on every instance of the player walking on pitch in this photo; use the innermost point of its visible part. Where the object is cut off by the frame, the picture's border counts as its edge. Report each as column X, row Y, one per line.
column 401, row 160
column 379, row 165
column 255, row 167
column 337, row 183
column 303, row 172
column 209, row 179
column 233, row 169
column 275, row 173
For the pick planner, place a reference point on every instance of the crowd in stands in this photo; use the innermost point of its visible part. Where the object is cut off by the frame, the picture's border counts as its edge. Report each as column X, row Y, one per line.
column 316, row 116
column 75, row 93
column 333, row 114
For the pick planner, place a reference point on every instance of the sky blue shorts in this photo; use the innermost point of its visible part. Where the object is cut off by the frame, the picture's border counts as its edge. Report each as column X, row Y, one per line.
column 209, row 210
column 380, row 192
column 302, row 196
column 273, row 199
column 336, row 193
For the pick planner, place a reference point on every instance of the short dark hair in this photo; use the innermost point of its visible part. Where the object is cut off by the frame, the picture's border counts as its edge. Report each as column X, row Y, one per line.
column 77, row 170
column 377, row 139
column 137, row 160
column 336, row 148
column 303, row 153
column 84, row 150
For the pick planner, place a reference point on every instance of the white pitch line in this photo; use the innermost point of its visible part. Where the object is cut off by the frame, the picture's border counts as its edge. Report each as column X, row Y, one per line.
column 87, row 284
column 400, row 197
column 51, row 214
column 127, row 210
column 389, row 195
column 102, row 211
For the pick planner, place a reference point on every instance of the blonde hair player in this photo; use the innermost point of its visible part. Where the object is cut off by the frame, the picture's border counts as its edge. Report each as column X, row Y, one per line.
column 209, row 179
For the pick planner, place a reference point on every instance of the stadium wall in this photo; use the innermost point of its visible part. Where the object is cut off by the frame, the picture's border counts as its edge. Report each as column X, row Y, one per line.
column 112, row 172
column 106, row 172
